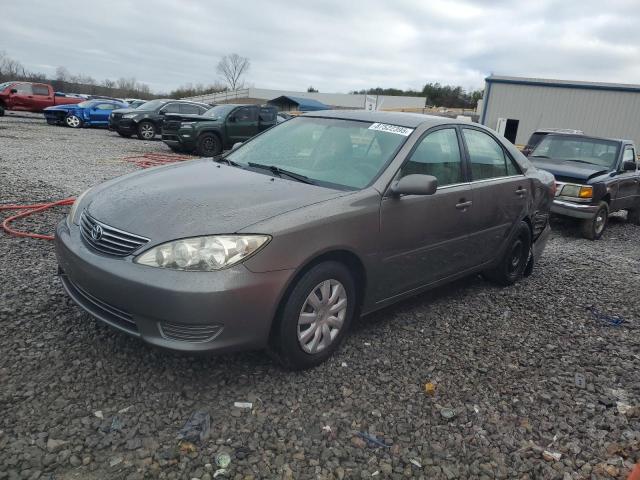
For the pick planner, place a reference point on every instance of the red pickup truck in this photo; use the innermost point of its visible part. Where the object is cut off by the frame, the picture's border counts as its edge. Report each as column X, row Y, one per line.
column 31, row 97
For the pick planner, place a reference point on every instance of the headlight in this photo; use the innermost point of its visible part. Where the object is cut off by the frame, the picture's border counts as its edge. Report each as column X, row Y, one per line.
column 203, row 254
column 129, row 115
column 73, row 213
column 578, row 191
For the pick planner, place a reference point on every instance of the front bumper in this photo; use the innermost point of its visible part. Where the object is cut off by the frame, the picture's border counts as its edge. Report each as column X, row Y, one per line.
column 575, row 210
column 222, row 311
column 178, row 139
column 123, row 125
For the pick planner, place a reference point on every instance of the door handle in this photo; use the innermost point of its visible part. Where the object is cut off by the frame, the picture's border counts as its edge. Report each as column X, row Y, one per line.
column 463, row 205
column 521, row 191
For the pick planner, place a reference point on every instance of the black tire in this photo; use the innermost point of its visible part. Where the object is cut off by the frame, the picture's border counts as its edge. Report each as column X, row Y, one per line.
column 285, row 344
column 208, row 145
column 593, row 228
column 146, row 130
column 125, row 135
column 513, row 264
column 73, row 121
column 633, row 215
column 1, row 110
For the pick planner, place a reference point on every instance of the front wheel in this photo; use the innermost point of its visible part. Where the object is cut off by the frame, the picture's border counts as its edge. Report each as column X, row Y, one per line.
column 315, row 317
column 208, row 145
column 146, row 131
column 592, row 228
column 633, row 215
column 513, row 264
column 1, row 110
column 73, row 121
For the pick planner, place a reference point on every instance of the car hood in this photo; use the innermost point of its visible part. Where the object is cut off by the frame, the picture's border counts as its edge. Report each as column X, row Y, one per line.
column 199, row 197
column 567, row 169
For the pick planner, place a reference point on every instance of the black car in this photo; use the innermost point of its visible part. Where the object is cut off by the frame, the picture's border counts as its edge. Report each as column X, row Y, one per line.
column 594, row 177
column 146, row 120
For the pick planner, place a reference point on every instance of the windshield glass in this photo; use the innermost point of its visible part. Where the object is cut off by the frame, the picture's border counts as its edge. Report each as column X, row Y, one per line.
column 219, row 111
column 152, row 105
column 330, row 152
column 587, row 150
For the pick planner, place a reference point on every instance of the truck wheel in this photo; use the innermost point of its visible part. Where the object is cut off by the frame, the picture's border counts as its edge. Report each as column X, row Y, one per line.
column 513, row 264
column 592, row 228
column 315, row 316
column 146, row 131
column 73, row 121
column 633, row 215
column 208, row 145
column 1, row 110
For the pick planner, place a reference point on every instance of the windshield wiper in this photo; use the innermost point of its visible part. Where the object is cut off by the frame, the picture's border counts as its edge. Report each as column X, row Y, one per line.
column 220, row 159
column 539, row 156
column 281, row 171
column 579, row 161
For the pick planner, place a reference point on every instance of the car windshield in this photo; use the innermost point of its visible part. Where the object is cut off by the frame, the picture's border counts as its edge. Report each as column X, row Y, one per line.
column 331, row 152
column 219, row 111
column 594, row 151
column 151, row 105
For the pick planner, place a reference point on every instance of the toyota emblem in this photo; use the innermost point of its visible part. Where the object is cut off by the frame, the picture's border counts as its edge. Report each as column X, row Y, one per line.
column 96, row 232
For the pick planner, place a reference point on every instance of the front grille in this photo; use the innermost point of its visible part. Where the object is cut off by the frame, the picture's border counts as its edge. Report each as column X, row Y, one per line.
column 116, row 116
column 107, row 239
column 99, row 308
column 193, row 333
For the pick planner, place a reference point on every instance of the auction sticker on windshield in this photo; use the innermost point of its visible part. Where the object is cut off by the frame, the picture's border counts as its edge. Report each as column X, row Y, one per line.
column 384, row 127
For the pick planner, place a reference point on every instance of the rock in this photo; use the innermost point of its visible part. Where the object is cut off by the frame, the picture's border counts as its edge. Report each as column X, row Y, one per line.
column 56, row 445
column 358, row 442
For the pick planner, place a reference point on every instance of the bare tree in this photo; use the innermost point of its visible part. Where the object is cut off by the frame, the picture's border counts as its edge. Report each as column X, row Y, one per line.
column 232, row 67
column 62, row 74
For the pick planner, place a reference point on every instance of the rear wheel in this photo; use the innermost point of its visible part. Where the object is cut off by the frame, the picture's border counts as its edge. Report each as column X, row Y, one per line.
column 593, row 228
column 146, row 131
column 73, row 121
column 208, row 145
column 316, row 316
column 513, row 264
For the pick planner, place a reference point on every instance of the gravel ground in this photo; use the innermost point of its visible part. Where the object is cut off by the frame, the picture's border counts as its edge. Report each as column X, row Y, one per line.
column 537, row 385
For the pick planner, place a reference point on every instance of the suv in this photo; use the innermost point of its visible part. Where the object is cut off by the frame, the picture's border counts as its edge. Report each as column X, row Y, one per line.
column 538, row 135
column 219, row 128
column 146, row 120
column 594, row 177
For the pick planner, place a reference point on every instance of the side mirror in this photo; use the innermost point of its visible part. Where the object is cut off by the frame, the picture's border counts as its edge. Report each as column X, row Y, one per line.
column 13, row 90
column 415, row 185
column 629, row 165
column 236, row 145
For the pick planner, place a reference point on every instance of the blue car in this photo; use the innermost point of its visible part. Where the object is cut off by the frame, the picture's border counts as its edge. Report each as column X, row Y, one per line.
column 92, row 113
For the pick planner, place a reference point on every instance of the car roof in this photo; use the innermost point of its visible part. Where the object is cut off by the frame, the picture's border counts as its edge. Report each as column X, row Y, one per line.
column 403, row 119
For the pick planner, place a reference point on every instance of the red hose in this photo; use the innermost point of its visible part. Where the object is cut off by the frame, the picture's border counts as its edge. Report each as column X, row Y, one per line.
column 143, row 161
column 30, row 210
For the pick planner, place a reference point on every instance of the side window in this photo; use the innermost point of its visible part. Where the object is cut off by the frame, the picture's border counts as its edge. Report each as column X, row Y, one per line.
column 105, row 106
column 488, row 159
column 629, row 155
column 171, row 108
column 41, row 90
column 23, row 89
column 246, row 114
column 437, row 154
column 189, row 109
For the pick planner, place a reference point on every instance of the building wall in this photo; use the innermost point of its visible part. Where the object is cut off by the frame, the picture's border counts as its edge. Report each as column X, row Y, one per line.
column 602, row 113
column 340, row 100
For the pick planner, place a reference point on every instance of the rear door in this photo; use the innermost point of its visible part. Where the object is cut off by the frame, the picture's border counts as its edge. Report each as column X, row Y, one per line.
column 42, row 96
column 425, row 238
column 242, row 124
column 500, row 193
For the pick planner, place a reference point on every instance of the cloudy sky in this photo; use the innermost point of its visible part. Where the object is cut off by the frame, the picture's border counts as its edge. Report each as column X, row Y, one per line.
column 334, row 45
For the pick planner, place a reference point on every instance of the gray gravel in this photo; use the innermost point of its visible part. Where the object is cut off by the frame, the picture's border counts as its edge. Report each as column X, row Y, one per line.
column 78, row 400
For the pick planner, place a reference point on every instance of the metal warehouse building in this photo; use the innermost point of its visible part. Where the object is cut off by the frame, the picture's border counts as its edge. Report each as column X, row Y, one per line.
column 516, row 107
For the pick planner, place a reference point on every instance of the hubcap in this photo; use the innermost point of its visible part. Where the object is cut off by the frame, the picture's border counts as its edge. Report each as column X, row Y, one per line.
column 73, row 121
column 147, row 131
column 322, row 316
column 599, row 221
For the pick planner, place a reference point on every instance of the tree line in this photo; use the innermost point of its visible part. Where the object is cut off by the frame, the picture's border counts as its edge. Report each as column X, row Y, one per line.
column 435, row 95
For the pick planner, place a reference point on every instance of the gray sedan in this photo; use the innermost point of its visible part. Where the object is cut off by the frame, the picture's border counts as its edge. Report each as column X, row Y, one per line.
column 283, row 241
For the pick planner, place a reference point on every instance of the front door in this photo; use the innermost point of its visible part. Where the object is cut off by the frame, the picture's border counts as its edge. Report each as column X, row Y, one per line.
column 628, row 186
column 425, row 237
column 500, row 193
column 242, row 124
column 22, row 99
